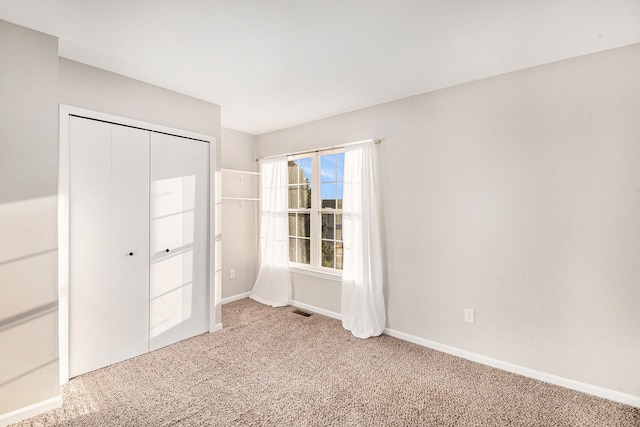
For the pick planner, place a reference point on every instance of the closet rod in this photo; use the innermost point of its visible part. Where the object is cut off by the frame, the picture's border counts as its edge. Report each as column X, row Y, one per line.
column 375, row 141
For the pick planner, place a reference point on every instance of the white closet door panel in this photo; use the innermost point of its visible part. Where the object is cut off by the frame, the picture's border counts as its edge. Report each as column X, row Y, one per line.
column 172, row 294
column 179, row 223
column 130, row 230
column 89, row 243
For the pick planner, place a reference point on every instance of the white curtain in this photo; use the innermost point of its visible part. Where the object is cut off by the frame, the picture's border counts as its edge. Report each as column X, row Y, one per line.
column 273, row 285
column 363, row 311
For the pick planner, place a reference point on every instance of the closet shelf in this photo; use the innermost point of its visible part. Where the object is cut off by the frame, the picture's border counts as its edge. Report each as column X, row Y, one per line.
column 241, row 174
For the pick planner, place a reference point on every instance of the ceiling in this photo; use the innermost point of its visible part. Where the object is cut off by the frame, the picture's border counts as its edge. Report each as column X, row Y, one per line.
column 272, row 64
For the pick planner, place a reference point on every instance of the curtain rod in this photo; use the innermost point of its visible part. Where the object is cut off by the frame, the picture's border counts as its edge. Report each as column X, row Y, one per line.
column 315, row 150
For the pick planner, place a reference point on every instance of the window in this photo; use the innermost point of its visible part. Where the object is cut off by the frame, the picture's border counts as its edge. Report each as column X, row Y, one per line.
column 315, row 209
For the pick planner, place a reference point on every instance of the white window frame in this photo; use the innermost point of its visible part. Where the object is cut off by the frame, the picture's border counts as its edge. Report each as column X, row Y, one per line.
column 315, row 268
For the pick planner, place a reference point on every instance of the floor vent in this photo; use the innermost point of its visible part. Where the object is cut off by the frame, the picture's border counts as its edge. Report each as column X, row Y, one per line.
column 302, row 313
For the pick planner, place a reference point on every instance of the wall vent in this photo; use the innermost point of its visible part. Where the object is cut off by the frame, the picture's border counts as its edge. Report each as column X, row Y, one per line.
column 302, row 313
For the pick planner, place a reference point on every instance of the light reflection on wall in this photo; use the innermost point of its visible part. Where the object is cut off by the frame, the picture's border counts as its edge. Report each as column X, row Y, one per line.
column 172, row 227
column 28, row 303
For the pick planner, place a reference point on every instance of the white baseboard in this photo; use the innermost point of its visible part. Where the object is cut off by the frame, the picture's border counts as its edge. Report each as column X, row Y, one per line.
column 217, row 327
column 30, row 411
column 616, row 396
column 233, row 298
column 315, row 309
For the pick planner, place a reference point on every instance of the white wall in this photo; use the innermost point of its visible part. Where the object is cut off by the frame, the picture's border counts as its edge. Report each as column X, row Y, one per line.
column 239, row 220
column 89, row 87
column 28, row 218
column 518, row 196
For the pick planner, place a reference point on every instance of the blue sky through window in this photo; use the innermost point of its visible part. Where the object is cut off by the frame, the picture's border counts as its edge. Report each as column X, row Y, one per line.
column 328, row 168
column 332, row 171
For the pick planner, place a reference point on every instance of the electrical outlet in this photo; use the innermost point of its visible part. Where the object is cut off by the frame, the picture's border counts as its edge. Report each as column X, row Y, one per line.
column 232, row 274
column 469, row 315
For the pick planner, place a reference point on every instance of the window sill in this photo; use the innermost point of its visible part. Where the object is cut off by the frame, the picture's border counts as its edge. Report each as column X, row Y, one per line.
column 336, row 277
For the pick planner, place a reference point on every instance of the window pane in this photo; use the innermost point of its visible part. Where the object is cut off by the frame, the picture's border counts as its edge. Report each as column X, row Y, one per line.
column 328, row 226
column 292, row 250
column 293, row 197
column 304, row 225
column 340, row 166
column 329, row 204
column 304, row 170
column 338, row 227
column 292, row 224
column 339, row 255
column 339, row 194
column 328, row 168
column 305, row 196
column 304, row 250
column 329, row 195
column 293, row 172
column 328, row 253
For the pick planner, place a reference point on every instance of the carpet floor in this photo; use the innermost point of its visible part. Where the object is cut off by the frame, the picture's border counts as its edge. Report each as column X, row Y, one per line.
column 272, row 367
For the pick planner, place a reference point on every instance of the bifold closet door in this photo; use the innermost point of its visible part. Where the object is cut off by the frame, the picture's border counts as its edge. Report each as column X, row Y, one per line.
column 109, row 252
column 179, row 235
column 130, row 242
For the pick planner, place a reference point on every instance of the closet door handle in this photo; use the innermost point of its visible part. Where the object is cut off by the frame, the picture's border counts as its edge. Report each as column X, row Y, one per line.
column 130, row 253
column 166, row 250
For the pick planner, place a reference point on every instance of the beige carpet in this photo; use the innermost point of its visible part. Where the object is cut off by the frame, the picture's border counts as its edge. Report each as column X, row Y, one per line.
column 271, row 367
